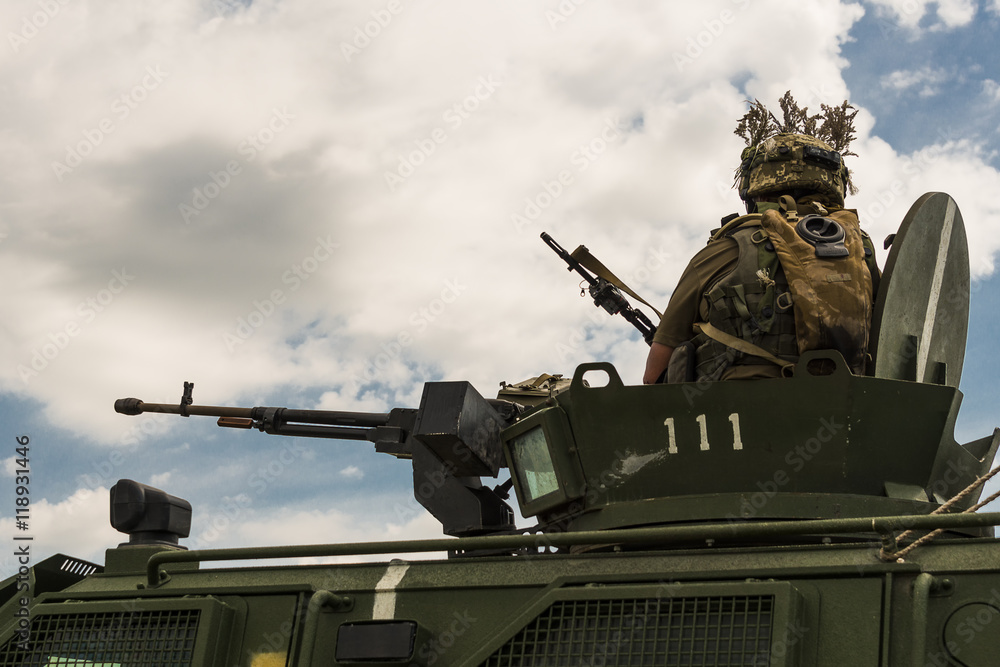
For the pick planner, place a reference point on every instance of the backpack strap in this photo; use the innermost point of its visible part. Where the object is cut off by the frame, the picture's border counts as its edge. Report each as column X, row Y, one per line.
column 741, row 345
column 734, row 223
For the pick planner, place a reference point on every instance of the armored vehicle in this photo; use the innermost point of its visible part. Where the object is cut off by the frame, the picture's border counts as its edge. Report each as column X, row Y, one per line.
column 825, row 519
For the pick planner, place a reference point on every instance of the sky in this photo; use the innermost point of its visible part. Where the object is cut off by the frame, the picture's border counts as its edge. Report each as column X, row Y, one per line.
column 326, row 204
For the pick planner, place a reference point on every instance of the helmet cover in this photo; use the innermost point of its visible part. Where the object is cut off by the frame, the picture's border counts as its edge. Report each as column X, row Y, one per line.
column 788, row 161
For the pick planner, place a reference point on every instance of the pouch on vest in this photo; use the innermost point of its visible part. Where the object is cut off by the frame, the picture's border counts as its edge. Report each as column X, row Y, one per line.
column 681, row 367
column 749, row 302
column 831, row 294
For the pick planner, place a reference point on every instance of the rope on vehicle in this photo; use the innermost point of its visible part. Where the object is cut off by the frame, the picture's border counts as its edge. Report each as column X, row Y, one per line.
column 901, row 554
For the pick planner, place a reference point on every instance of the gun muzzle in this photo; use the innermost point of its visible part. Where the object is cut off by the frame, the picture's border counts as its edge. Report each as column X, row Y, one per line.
column 128, row 406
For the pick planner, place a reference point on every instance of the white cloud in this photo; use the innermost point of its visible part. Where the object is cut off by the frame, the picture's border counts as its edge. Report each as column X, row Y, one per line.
column 352, row 472
column 10, row 467
column 300, row 525
column 991, row 89
column 956, row 13
column 892, row 182
column 161, row 480
column 949, row 14
column 927, row 79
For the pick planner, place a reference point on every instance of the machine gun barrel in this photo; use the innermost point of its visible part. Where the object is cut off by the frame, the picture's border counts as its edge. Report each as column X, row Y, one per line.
column 384, row 429
column 605, row 294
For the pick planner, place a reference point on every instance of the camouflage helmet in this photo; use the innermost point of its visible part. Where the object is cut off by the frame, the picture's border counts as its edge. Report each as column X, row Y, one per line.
column 788, row 161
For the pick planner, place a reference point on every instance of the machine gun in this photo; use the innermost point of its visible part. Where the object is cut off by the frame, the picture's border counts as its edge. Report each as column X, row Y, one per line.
column 605, row 292
column 452, row 439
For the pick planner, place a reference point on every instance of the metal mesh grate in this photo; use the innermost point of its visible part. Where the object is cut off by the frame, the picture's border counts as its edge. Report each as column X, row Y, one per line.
column 125, row 639
column 691, row 632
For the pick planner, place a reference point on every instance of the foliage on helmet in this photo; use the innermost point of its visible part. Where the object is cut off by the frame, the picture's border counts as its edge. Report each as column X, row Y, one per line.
column 799, row 152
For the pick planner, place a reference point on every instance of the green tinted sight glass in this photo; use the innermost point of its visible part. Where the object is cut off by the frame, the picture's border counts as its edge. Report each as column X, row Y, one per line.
column 533, row 463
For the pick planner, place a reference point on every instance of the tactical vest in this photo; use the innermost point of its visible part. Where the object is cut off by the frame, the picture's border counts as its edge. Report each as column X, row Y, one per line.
column 783, row 299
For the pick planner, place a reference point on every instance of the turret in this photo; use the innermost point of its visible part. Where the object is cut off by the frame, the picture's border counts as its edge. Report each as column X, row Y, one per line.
column 823, row 444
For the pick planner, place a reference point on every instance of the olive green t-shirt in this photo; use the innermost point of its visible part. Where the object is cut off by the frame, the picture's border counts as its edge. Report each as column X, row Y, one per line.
column 686, row 304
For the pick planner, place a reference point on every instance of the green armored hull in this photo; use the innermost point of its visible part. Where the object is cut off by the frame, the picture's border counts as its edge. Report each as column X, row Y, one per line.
column 820, row 604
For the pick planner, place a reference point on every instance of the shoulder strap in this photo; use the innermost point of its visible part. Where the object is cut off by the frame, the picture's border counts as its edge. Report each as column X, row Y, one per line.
column 593, row 264
column 750, row 220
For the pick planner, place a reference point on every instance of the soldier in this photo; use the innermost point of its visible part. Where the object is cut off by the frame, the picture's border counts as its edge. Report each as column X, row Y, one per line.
column 794, row 274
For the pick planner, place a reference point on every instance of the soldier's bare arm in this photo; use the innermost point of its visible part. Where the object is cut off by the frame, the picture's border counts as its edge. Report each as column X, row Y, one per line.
column 656, row 362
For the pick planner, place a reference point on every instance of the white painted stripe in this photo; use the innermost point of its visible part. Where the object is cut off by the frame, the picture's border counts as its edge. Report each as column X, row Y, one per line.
column 923, row 345
column 385, row 591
